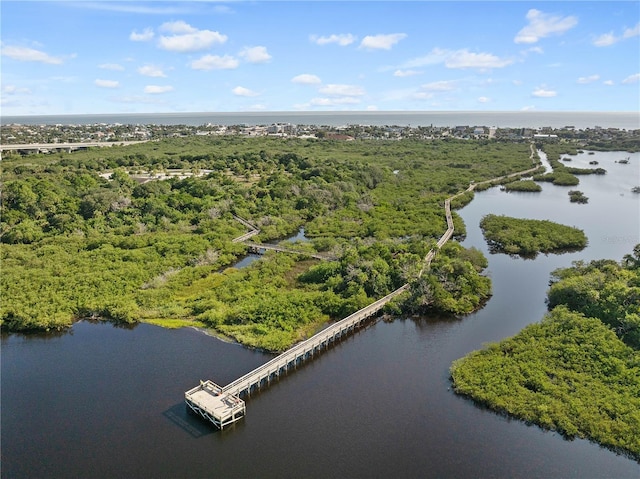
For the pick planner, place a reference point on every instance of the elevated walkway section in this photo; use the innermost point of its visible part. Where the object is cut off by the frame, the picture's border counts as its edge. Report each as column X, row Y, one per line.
column 210, row 402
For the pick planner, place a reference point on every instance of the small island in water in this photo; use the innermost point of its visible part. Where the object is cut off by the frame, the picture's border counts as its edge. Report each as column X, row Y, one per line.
column 578, row 370
column 523, row 185
column 527, row 237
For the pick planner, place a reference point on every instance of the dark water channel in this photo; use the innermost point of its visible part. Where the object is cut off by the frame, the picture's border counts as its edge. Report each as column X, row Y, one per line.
column 102, row 401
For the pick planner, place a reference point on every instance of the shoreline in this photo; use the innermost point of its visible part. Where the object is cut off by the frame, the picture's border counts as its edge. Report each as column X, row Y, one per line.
column 502, row 119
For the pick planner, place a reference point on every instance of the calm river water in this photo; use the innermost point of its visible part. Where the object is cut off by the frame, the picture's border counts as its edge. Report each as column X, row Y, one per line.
column 102, row 401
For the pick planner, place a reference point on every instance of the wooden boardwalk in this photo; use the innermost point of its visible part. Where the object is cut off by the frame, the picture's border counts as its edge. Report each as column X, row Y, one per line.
column 220, row 404
column 299, row 353
column 253, row 230
column 272, row 247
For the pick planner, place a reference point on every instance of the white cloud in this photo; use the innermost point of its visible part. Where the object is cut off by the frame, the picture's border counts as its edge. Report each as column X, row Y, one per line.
column 632, row 79
column 372, row 108
column 517, row 82
column 541, row 92
column 107, row 83
column 342, row 39
column 405, row 73
column 381, row 42
column 242, row 91
column 444, row 85
column 146, row 35
column 347, row 100
column 437, row 55
column 528, row 108
column 25, row 54
column 215, row 62
column 186, row 38
column 14, row 90
column 589, row 79
column 608, row 82
column 605, row 40
column 457, row 59
column 255, row 54
column 542, row 25
column 422, row 95
column 632, row 32
column 608, row 39
column 156, row 89
column 177, row 27
column 306, row 79
column 484, row 99
column 111, row 66
column 151, row 71
column 335, row 90
column 466, row 59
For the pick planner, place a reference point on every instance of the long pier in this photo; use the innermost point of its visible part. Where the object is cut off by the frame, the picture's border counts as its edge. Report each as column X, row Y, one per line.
column 223, row 406
column 305, row 350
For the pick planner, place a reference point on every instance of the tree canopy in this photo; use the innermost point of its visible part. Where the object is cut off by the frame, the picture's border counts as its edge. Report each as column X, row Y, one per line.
column 529, row 237
column 134, row 233
column 578, row 370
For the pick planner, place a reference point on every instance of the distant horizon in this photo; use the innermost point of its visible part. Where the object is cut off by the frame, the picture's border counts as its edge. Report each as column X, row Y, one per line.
column 119, row 57
column 498, row 119
column 317, row 112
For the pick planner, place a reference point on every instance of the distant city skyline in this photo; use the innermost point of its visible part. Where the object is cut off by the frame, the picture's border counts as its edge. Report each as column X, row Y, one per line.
column 92, row 57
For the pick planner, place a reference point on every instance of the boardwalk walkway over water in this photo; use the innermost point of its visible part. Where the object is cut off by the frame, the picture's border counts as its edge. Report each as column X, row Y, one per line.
column 223, row 405
column 306, row 349
column 272, row 247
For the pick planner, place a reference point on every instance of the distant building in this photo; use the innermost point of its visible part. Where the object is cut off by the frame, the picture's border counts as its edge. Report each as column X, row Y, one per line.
column 284, row 128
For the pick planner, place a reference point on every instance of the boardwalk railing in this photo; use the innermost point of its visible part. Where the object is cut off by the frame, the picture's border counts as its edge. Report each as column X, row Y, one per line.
column 282, row 249
column 208, row 400
column 245, row 237
column 306, row 349
column 253, row 230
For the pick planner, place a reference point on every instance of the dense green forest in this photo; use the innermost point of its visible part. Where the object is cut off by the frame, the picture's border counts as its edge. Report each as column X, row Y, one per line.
column 86, row 235
column 578, row 370
column 528, row 237
column 453, row 284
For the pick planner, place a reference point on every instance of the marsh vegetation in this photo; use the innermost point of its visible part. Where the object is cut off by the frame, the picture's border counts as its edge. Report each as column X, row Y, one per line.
column 82, row 238
column 578, row 370
column 528, row 237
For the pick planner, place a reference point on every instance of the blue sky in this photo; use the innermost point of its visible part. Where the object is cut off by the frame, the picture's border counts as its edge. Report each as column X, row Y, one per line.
column 118, row 56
